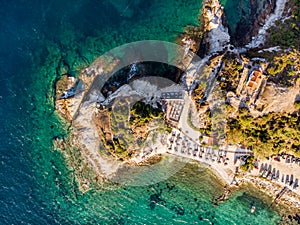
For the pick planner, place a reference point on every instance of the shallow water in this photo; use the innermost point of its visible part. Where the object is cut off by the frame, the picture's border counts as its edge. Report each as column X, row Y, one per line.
column 41, row 39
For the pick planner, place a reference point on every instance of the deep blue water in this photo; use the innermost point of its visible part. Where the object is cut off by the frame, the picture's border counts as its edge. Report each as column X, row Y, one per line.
column 36, row 187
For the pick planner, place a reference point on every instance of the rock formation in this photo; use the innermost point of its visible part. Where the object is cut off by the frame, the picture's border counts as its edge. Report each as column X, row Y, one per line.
column 269, row 20
column 216, row 35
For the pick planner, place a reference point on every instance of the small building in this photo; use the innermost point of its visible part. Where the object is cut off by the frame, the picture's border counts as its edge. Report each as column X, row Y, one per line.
column 209, row 140
column 255, row 87
column 172, row 99
column 255, row 79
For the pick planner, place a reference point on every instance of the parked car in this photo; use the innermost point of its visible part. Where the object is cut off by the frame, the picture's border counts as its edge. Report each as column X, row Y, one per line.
column 277, row 159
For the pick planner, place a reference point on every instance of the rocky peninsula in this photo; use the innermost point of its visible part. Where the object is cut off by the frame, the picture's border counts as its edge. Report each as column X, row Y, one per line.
column 256, row 83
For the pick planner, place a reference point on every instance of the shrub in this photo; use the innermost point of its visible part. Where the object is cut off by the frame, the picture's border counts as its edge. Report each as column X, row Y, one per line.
column 249, row 164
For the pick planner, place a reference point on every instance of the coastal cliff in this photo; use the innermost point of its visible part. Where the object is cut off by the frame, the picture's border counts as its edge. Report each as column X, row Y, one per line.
column 216, row 36
column 254, row 17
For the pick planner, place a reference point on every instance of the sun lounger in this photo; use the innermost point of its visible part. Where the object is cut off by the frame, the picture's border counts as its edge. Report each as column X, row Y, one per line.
column 291, row 180
column 287, row 179
column 296, row 185
column 277, row 175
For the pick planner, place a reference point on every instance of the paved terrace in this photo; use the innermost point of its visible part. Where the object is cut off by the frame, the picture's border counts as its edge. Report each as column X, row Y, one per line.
column 184, row 142
column 222, row 160
column 285, row 172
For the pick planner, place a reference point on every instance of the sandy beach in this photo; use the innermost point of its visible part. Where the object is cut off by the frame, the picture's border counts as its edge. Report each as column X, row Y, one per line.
column 225, row 163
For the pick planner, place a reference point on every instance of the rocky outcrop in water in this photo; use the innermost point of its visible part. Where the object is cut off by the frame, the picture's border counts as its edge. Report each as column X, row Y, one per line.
column 216, row 36
column 65, row 106
column 249, row 31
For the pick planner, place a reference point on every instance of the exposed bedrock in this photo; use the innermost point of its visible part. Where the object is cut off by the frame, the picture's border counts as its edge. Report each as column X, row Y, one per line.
column 250, row 21
column 216, row 36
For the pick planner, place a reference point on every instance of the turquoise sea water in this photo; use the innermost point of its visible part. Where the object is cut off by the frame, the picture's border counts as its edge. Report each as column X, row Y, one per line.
column 40, row 40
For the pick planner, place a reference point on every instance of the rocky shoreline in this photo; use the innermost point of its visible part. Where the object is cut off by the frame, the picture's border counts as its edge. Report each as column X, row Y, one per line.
column 285, row 202
column 289, row 203
column 288, row 206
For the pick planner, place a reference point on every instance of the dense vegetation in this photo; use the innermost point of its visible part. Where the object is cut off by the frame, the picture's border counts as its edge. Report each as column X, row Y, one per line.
column 286, row 32
column 273, row 133
column 198, row 94
column 266, row 135
column 123, row 138
column 229, row 76
column 131, row 126
column 249, row 164
column 297, row 104
column 144, row 118
column 284, row 68
column 142, row 113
